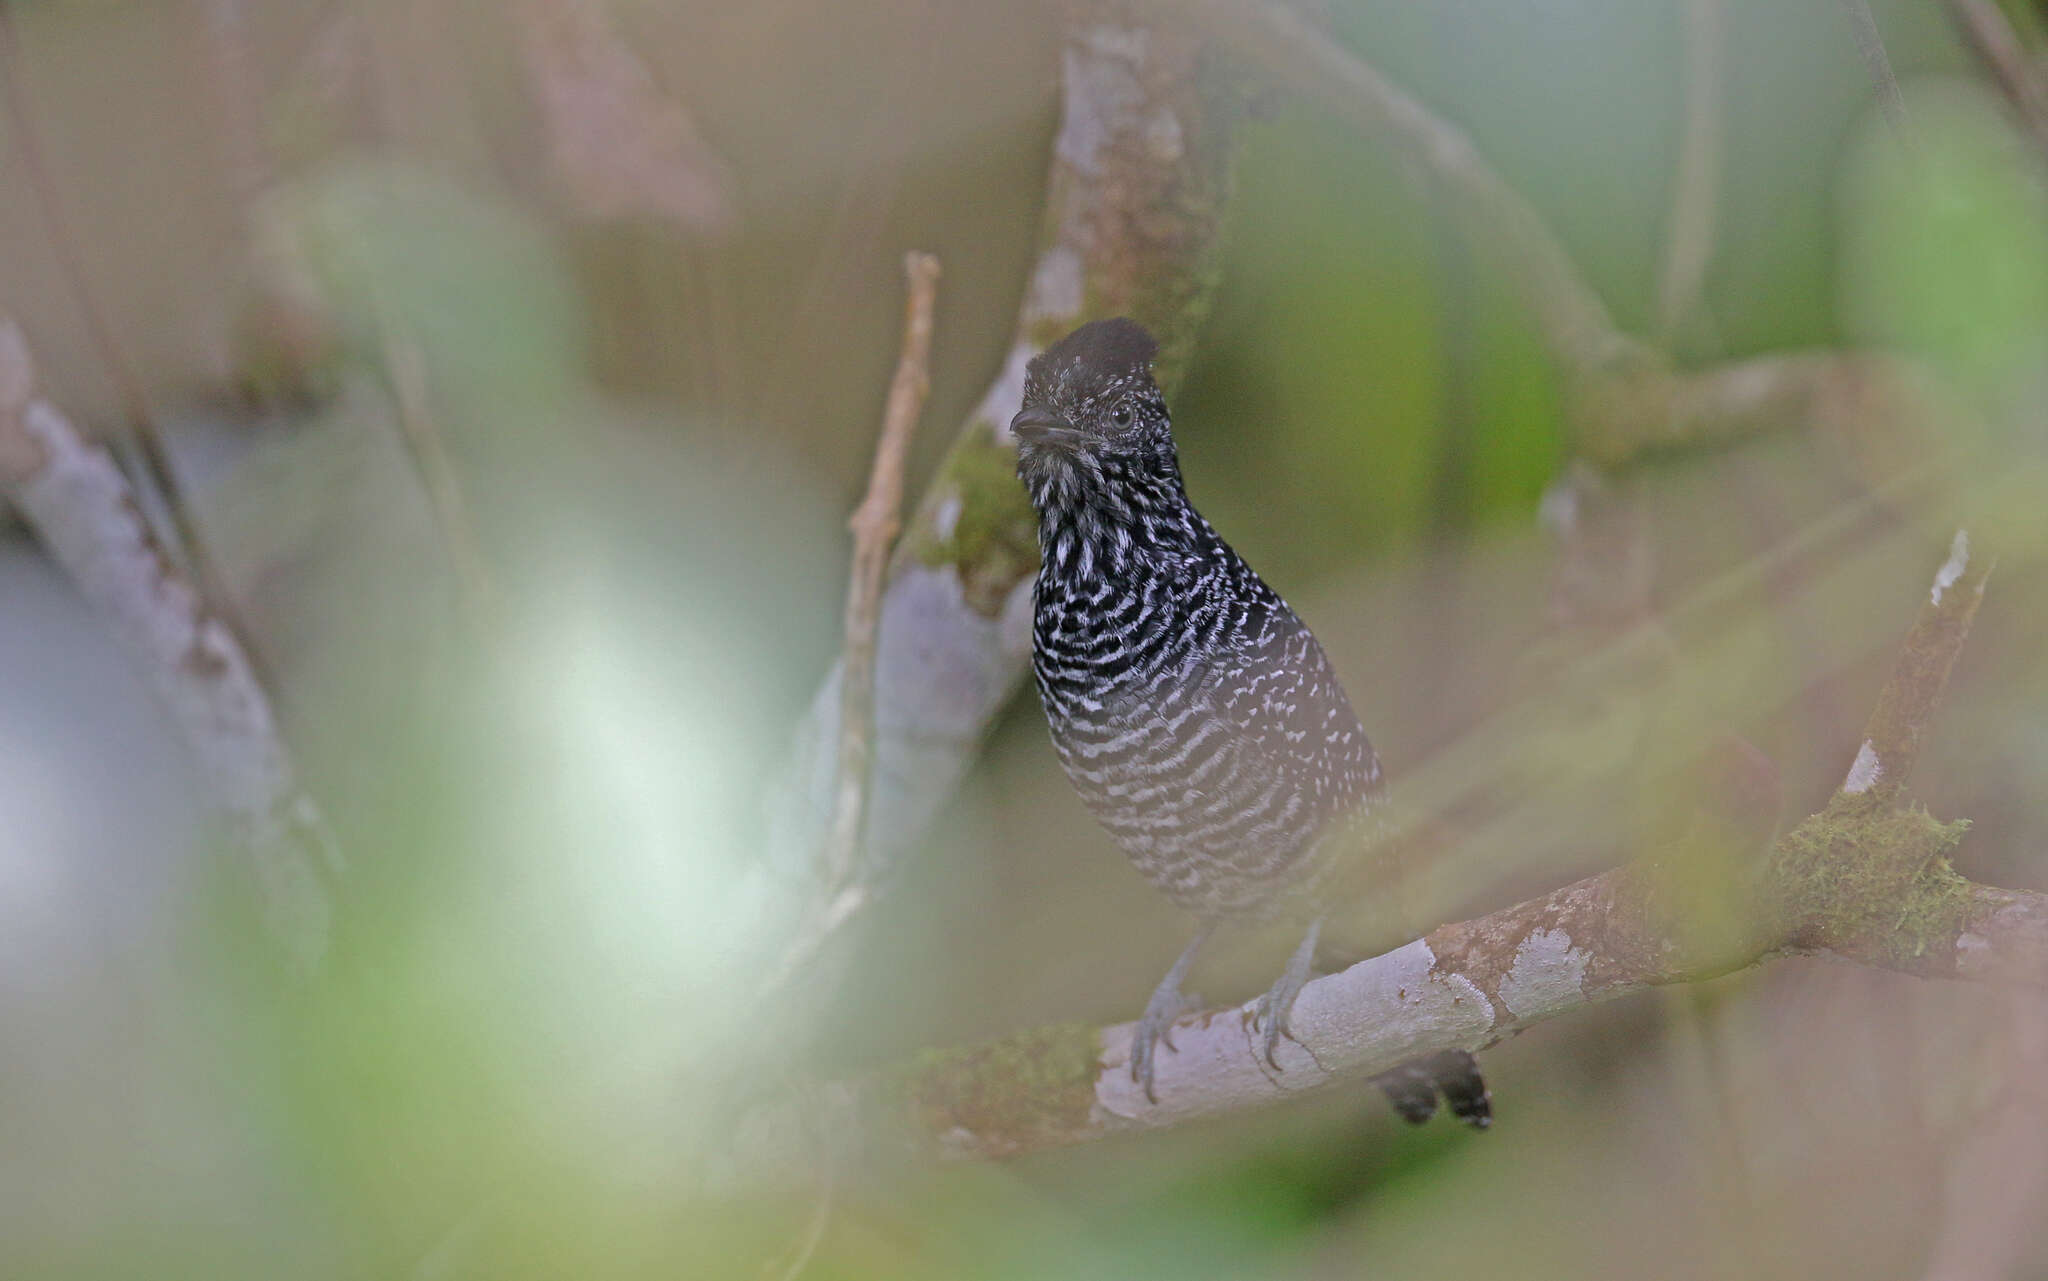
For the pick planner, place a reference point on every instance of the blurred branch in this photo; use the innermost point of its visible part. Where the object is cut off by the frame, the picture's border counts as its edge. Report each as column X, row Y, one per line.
column 1998, row 1173
column 84, row 512
column 1625, row 397
column 237, row 99
column 1905, row 710
column 2017, row 71
column 620, row 146
column 1135, row 197
column 1870, row 44
column 1866, row 879
column 141, row 445
column 1638, row 405
column 1280, row 41
column 875, row 524
column 407, row 369
column 1695, row 191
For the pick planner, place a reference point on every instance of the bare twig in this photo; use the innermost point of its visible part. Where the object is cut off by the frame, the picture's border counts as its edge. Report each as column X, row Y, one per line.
column 2019, row 74
column 875, row 524
column 85, row 513
column 1695, row 192
column 1870, row 44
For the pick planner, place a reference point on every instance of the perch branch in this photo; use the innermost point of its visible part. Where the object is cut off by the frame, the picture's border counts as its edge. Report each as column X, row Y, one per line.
column 1862, row 879
column 84, row 512
column 1136, row 190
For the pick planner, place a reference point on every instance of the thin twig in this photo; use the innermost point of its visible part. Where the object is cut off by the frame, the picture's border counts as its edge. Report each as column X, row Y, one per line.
column 1695, row 192
column 84, row 512
column 875, row 524
column 1870, row 44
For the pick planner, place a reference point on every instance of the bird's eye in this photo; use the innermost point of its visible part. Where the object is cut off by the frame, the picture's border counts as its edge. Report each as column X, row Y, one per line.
column 1122, row 416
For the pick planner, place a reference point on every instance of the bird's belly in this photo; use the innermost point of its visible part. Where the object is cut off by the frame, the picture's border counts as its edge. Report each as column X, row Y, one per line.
column 1212, row 827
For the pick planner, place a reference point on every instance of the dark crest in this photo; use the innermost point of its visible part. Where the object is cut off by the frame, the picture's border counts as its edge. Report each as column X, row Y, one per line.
column 1105, row 347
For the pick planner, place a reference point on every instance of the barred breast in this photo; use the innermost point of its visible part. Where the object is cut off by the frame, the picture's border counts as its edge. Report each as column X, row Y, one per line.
column 1202, row 725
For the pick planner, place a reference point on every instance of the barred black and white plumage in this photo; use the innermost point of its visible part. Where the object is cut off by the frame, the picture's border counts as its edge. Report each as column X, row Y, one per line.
column 1196, row 715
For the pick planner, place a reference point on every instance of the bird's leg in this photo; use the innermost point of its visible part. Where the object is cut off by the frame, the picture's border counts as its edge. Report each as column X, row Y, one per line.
column 1166, row 1005
column 1278, row 1002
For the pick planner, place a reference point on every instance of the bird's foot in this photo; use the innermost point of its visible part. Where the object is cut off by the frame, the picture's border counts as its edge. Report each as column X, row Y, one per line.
column 1156, row 1029
column 1271, row 1014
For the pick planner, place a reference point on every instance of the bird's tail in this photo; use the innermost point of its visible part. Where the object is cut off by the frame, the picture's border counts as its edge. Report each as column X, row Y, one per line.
column 1413, row 1088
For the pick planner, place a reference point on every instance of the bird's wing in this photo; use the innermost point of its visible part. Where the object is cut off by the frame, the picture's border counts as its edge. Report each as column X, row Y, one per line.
column 1278, row 688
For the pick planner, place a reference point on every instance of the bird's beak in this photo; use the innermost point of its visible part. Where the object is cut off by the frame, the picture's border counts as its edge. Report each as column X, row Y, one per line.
column 1042, row 427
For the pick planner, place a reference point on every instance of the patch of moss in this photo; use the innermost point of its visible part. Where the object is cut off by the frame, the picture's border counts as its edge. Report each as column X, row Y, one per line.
column 991, row 533
column 1008, row 1095
column 1872, row 873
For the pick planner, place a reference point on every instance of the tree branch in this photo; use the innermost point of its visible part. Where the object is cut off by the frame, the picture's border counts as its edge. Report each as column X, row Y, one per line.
column 86, row 515
column 1864, row 879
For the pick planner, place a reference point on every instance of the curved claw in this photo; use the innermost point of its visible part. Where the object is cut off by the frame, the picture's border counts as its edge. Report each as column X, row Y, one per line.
column 1278, row 1002
column 1166, row 1005
column 1270, row 1029
column 1154, row 1030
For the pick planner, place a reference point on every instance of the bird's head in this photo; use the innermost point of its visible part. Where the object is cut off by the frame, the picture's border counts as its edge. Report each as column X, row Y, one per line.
column 1093, row 417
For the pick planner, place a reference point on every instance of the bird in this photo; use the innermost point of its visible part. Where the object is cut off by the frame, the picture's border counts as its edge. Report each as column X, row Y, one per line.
column 1193, row 711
